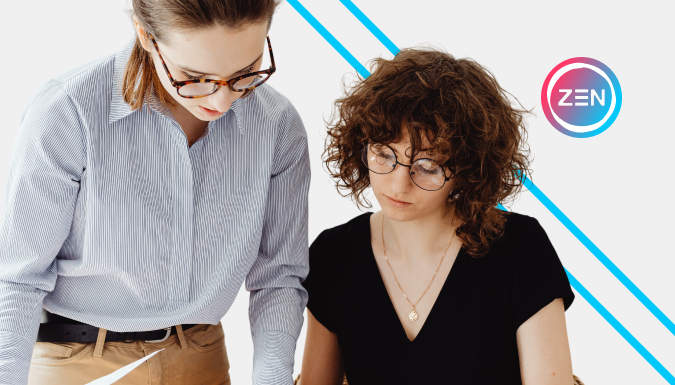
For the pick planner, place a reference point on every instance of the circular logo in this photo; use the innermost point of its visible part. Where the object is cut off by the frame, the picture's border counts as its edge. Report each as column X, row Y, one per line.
column 581, row 97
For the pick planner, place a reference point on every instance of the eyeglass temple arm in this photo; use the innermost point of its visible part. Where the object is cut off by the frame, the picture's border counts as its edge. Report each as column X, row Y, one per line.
column 166, row 68
column 269, row 45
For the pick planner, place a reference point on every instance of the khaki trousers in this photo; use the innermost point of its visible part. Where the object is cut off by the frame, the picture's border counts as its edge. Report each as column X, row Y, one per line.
column 194, row 357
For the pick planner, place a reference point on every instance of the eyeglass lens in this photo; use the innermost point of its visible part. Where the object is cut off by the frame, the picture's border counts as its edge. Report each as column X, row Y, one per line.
column 197, row 89
column 425, row 173
column 203, row 89
column 248, row 82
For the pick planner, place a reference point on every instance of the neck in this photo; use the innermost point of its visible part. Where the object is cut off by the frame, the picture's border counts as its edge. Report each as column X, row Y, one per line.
column 191, row 126
column 185, row 119
column 419, row 240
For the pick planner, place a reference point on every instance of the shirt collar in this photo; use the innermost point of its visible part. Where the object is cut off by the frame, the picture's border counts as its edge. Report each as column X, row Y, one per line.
column 120, row 109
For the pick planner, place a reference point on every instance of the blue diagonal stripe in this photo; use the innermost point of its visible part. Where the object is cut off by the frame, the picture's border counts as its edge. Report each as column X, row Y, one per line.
column 599, row 255
column 371, row 26
column 620, row 328
column 329, row 38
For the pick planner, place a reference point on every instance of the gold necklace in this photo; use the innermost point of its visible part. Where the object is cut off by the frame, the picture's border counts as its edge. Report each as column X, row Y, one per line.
column 413, row 316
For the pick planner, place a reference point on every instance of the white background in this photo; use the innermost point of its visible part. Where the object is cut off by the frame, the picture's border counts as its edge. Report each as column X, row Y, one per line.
column 616, row 187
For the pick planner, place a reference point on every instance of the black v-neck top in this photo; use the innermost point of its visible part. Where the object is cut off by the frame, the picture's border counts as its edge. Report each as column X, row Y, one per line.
column 469, row 336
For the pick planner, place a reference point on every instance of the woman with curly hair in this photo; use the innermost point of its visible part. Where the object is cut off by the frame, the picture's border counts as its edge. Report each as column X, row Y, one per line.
column 440, row 286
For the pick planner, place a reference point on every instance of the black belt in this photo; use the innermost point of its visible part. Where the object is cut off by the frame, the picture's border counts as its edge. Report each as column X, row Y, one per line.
column 56, row 328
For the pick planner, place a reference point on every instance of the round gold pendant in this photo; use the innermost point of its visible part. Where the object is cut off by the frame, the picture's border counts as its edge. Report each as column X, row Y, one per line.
column 413, row 315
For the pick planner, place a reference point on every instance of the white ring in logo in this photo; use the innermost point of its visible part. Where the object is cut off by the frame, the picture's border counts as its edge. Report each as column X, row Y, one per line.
column 555, row 79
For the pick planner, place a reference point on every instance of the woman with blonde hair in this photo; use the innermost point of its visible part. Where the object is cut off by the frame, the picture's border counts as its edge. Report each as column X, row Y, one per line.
column 144, row 189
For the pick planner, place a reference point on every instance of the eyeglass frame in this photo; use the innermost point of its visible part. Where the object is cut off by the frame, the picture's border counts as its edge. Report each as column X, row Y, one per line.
column 180, row 83
column 364, row 159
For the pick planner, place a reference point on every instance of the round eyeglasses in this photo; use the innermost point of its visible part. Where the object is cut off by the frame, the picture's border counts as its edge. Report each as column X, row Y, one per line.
column 426, row 173
column 192, row 89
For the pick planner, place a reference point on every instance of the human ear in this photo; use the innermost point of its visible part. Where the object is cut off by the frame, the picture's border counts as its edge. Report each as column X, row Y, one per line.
column 142, row 34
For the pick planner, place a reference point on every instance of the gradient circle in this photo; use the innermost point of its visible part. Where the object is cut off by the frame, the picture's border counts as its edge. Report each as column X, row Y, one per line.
column 581, row 97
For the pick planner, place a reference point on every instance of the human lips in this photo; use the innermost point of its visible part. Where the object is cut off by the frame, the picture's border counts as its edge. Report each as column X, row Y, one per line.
column 209, row 111
column 397, row 203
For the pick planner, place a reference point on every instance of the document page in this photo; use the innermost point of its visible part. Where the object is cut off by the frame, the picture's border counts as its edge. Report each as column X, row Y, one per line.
column 119, row 373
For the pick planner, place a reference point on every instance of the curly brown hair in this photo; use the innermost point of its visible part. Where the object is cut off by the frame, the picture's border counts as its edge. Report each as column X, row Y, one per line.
column 457, row 106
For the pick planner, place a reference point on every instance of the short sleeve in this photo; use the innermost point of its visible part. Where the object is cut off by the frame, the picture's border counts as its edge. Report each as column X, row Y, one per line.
column 539, row 276
column 319, row 282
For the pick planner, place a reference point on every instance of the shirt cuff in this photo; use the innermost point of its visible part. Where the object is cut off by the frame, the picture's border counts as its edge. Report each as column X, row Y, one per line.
column 273, row 358
column 15, row 355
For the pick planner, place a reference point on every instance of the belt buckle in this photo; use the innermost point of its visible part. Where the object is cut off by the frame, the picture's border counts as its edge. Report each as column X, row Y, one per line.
column 168, row 333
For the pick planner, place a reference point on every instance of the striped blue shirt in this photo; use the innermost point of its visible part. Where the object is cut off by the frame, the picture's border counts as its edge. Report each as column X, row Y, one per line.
column 112, row 220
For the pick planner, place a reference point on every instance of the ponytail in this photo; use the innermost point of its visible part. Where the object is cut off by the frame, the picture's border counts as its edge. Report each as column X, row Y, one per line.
column 139, row 77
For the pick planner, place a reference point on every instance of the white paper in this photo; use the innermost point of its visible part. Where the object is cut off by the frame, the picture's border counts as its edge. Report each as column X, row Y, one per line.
column 119, row 373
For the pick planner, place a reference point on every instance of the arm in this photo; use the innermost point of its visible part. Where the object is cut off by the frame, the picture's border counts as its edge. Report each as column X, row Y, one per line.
column 543, row 348
column 322, row 358
column 277, row 296
column 46, row 165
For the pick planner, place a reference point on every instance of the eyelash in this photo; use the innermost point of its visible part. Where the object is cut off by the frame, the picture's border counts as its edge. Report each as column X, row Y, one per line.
column 191, row 77
column 247, row 70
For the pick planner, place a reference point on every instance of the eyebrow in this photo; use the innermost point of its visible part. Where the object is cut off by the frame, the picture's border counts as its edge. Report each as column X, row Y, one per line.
column 240, row 72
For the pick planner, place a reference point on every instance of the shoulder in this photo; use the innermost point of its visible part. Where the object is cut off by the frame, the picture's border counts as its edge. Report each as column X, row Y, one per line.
column 524, row 241
column 537, row 275
column 331, row 256
column 72, row 92
column 268, row 107
column 75, row 78
column 336, row 236
column 333, row 245
column 269, row 99
column 517, row 228
column 519, row 222
column 89, row 82
column 50, row 113
column 276, row 124
column 525, row 246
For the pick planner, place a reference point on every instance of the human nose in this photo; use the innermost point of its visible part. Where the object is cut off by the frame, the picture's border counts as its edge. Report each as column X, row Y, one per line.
column 400, row 179
column 222, row 99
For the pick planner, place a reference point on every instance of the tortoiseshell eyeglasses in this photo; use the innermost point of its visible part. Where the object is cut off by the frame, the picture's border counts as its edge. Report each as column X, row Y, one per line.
column 199, row 88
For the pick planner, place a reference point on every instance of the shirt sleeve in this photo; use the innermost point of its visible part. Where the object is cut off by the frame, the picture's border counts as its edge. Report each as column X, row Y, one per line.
column 319, row 284
column 278, row 299
column 539, row 276
column 47, row 163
